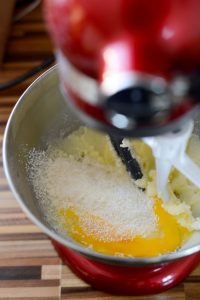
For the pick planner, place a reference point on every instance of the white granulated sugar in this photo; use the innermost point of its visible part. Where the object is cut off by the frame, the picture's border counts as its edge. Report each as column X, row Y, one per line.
column 61, row 181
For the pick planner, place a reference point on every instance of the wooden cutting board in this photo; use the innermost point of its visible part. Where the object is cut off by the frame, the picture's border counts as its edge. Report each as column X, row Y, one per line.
column 29, row 266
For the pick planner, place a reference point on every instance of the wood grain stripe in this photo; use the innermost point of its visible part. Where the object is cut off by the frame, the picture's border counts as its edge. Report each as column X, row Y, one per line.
column 51, row 272
column 29, row 292
column 3, row 186
column 28, row 283
column 14, row 221
column 22, row 236
column 3, row 181
column 26, row 228
column 35, row 261
column 2, row 128
column 20, row 273
column 8, row 101
column 69, row 280
column 32, row 298
column 9, row 210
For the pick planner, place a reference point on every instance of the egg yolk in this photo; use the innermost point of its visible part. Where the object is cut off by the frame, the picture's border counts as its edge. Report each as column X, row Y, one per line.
column 169, row 235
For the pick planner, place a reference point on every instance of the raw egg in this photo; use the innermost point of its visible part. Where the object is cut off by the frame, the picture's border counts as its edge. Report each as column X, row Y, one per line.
column 169, row 235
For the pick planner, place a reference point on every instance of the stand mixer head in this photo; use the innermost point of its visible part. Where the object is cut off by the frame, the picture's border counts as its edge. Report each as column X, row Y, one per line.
column 130, row 67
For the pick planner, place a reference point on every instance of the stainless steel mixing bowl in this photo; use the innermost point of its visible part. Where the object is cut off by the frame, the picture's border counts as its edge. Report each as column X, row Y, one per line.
column 41, row 116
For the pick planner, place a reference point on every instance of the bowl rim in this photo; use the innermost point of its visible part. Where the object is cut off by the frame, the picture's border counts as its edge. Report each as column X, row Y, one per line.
column 108, row 259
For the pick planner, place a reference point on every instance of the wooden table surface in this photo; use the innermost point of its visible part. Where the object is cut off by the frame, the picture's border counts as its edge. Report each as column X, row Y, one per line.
column 29, row 266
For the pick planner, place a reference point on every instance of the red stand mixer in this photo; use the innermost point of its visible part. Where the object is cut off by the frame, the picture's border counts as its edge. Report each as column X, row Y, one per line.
column 129, row 67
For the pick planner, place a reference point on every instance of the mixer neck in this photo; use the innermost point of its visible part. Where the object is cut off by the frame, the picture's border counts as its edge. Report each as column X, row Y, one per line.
column 130, row 103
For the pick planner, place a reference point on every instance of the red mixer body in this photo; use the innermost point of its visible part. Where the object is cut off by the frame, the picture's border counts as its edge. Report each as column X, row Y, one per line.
column 156, row 37
column 104, row 38
column 128, row 280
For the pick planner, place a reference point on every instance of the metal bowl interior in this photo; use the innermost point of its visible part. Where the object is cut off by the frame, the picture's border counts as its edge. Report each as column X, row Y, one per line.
column 40, row 117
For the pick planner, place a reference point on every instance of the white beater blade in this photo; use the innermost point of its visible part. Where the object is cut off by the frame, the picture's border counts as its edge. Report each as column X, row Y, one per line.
column 188, row 168
column 163, row 169
column 169, row 150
